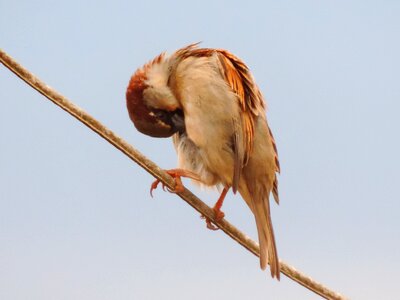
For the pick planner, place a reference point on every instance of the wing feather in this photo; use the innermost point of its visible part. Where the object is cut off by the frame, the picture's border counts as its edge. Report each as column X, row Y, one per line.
column 238, row 151
column 238, row 77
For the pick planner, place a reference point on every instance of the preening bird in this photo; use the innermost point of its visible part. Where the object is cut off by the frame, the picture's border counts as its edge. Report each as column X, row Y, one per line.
column 208, row 101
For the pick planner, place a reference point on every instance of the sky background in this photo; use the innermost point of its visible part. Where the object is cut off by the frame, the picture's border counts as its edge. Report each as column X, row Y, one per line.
column 76, row 218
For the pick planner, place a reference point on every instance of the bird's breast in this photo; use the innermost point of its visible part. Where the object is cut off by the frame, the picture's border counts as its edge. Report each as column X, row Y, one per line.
column 206, row 149
column 193, row 158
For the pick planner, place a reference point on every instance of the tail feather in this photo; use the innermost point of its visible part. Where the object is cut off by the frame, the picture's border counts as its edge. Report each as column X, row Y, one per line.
column 259, row 205
column 266, row 236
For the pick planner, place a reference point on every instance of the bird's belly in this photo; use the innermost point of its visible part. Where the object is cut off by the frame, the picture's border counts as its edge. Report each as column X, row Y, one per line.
column 201, row 162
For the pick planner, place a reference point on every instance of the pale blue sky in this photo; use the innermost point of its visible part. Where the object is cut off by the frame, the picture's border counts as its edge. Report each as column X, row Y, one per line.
column 76, row 218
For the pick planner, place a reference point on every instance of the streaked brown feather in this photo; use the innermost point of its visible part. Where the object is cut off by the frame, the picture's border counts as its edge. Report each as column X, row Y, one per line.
column 277, row 168
column 250, row 99
column 238, row 149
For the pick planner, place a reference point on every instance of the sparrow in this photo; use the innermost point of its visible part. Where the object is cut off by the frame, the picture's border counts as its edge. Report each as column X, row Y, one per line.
column 208, row 102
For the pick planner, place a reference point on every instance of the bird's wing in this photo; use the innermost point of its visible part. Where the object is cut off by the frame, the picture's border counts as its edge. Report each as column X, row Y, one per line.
column 239, row 78
column 251, row 102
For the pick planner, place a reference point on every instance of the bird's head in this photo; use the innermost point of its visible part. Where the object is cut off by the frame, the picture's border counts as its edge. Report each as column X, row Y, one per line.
column 151, row 104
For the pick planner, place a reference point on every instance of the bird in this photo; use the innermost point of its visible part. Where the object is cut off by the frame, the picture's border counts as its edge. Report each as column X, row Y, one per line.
column 207, row 100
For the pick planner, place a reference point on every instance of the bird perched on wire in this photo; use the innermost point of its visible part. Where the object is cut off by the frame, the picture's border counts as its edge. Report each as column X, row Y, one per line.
column 207, row 100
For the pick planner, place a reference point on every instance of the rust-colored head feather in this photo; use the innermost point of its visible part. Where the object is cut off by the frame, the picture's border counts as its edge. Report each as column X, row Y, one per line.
column 148, row 119
column 139, row 113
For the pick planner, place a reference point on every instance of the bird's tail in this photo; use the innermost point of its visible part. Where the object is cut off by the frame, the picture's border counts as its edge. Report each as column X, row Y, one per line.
column 266, row 237
column 259, row 204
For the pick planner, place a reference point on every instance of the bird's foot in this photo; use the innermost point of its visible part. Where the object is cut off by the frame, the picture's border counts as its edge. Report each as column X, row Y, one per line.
column 176, row 174
column 219, row 215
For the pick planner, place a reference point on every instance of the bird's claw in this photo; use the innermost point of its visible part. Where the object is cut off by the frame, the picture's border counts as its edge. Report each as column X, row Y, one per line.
column 154, row 186
column 176, row 174
column 210, row 225
column 219, row 215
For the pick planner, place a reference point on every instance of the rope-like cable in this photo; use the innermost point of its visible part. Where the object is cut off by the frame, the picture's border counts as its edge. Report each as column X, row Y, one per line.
column 157, row 172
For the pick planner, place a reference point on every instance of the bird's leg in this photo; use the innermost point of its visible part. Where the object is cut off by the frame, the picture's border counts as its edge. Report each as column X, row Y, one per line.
column 219, row 215
column 176, row 174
